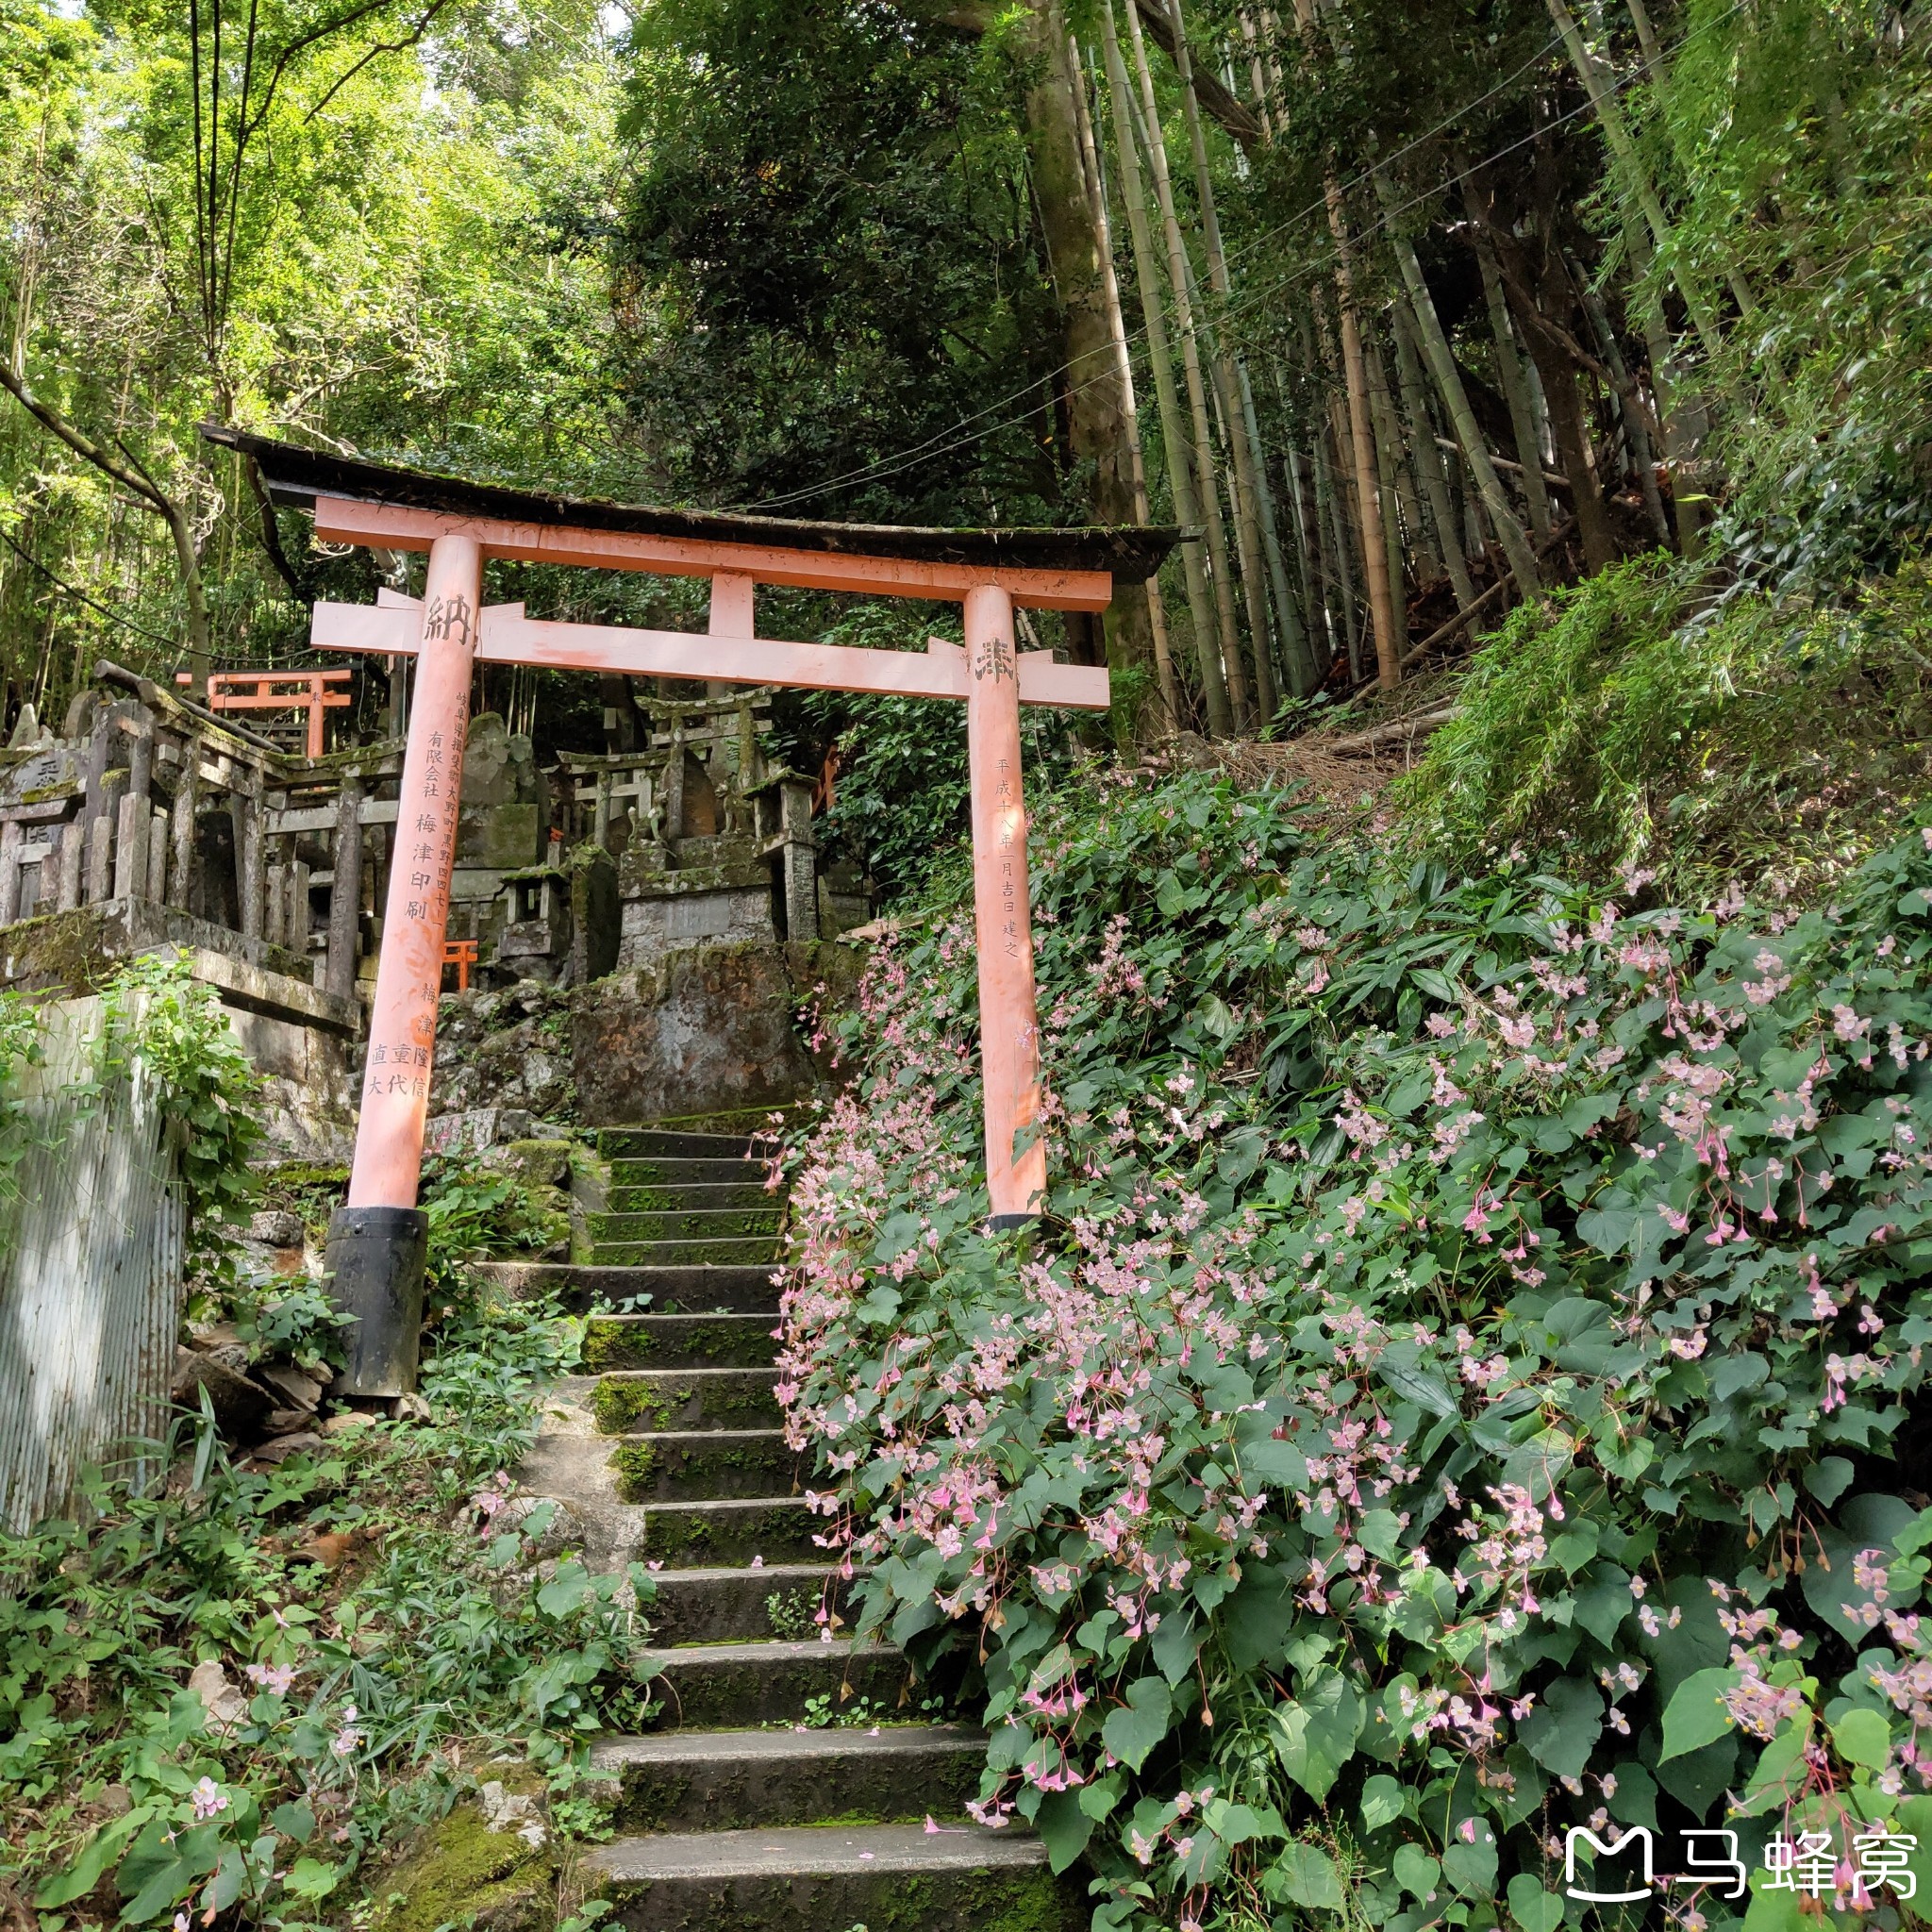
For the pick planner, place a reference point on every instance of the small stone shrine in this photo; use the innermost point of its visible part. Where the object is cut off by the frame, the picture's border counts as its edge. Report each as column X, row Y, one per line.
column 148, row 822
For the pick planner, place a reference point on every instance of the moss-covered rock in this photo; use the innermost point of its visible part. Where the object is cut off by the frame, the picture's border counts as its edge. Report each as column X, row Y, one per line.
column 461, row 1873
column 646, row 1403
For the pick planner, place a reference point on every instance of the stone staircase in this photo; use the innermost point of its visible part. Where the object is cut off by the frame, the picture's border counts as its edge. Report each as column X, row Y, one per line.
column 782, row 1785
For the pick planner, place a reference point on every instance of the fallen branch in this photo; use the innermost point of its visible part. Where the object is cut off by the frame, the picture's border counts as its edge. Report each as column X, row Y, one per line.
column 1549, row 476
column 1393, row 733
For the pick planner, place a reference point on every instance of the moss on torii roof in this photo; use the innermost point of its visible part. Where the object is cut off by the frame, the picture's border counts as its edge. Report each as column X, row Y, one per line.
column 295, row 476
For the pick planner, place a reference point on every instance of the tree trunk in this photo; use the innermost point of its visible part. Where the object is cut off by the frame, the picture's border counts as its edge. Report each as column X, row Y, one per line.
column 1362, row 432
column 1456, row 398
column 1510, row 369
column 1387, row 485
column 1169, row 716
column 1636, row 428
column 1097, row 404
column 1247, row 486
column 139, row 484
column 1575, row 452
column 1635, row 175
column 1187, row 508
column 1202, row 454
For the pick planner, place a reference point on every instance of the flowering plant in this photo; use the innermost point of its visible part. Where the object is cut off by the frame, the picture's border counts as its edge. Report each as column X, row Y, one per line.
column 1457, row 1389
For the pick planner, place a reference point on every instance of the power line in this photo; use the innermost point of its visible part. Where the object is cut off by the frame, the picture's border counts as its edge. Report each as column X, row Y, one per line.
column 33, row 562
column 937, row 445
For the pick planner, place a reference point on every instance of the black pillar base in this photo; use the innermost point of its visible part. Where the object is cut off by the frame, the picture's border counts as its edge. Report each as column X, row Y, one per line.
column 375, row 1258
column 1006, row 1224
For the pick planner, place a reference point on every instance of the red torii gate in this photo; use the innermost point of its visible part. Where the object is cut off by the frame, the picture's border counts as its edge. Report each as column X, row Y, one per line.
column 376, row 1242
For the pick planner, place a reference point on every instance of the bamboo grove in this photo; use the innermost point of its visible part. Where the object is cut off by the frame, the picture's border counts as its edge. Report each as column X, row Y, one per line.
column 1409, row 313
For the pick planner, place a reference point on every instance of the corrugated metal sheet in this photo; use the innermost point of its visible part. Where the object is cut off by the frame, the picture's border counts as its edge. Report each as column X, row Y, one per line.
column 91, row 1252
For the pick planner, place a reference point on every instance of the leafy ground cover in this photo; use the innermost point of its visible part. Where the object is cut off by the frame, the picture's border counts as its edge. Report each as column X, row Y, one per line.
column 381, row 1643
column 1469, row 1380
column 231, row 1698
column 379, row 1640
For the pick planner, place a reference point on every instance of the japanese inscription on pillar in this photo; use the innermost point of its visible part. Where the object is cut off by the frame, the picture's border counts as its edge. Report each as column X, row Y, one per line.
column 402, row 1065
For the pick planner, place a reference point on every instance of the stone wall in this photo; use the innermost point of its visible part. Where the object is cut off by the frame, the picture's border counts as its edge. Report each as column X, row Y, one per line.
column 710, row 1029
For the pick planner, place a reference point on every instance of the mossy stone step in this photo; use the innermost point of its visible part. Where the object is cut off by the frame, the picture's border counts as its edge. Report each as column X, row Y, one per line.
column 719, row 1685
column 735, row 1602
column 831, row 1878
column 629, row 1402
column 684, row 1174
column 697, row 1465
column 731, row 1529
column 684, row 1223
column 671, row 1143
column 692, row 1289
column 672, row 1197
column 678, row 1341
column 730, row 1780
column 722, row 1252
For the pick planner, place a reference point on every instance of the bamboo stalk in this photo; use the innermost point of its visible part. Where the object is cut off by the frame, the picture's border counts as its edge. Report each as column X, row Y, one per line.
column 1514, row 384
column 1636, row 175
column 1635, row 430
column 1449, row 384
column 1202, row 451
column 1428, row 459
column 1382, row 425
column 1246, row 480
column 1117, row 328
column 1187, row 508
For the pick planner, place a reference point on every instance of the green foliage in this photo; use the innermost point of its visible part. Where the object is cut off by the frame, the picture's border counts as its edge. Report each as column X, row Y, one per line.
column 900, row 792
column 357, row 1677
column 1765, row 742
column 828, row 257
column 475, row 1212
column 1800, row 130
column 166, row 1025
column 1464, row 1312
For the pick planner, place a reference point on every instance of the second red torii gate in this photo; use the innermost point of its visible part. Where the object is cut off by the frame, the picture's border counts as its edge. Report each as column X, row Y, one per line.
column 376, row 1242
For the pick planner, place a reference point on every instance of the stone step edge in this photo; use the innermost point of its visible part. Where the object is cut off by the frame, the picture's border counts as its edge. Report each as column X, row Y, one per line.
column 775, row 1650
column 809, row 1851
column 775, row 1745
column 664, row 1318
column 678, row 1374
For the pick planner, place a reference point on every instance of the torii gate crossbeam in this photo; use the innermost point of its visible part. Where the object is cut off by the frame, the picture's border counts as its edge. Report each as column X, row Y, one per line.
column 376, row 1242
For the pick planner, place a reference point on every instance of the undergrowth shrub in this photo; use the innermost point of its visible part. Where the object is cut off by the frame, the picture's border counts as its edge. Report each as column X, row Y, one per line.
column 382, row 1622
column 1771, row 741
column 1468, row 1381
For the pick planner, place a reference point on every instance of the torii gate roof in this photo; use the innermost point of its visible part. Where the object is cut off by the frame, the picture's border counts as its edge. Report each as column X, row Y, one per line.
column 298, row 477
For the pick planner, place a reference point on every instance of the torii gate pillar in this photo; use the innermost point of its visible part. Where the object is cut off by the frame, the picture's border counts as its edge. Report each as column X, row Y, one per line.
column 377, row 1243
column 1003, row 927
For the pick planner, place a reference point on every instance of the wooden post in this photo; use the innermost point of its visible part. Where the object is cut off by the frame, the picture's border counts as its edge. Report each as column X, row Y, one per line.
column 401, row 1036
column 379, row 1244
column 1009, row 1027
column 346, row 893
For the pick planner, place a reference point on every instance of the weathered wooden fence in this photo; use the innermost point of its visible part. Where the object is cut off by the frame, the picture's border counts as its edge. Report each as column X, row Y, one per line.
column 90, row 1260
